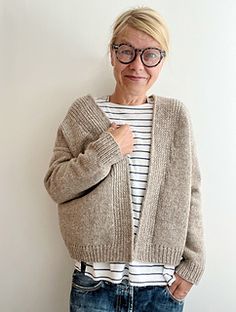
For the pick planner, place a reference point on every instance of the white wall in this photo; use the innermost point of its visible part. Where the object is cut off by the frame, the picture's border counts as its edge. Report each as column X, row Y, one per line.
column 53, row 51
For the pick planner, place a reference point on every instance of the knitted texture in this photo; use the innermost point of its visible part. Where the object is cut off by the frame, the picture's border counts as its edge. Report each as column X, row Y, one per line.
column 89, row 179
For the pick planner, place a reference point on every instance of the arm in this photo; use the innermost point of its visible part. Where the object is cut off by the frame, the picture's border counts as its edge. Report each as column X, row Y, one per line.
column 190, row 269
column 192, row 265
column 68, row 177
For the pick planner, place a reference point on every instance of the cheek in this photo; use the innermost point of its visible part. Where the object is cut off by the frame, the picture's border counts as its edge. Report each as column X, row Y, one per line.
column 119, row 68
column 154, row 73
column 113, row 57
column 117, row 72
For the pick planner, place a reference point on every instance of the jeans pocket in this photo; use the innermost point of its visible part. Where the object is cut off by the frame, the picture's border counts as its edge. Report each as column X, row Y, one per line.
column 84, row 283
column 172, row 296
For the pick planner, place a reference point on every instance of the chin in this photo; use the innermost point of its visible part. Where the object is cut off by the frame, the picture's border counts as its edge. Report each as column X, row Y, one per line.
column 136, row 87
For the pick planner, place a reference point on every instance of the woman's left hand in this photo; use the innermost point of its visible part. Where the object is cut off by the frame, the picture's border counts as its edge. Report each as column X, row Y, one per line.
column 180, row 287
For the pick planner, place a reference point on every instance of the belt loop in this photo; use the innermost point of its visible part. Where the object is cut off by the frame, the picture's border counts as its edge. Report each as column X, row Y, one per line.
column 82, row 266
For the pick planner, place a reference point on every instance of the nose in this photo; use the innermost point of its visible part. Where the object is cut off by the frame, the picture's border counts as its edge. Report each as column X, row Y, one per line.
column 137, row 63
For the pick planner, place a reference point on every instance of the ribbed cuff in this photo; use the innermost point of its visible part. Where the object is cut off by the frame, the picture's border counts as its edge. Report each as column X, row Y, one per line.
column 108, row 151
column 190, row 271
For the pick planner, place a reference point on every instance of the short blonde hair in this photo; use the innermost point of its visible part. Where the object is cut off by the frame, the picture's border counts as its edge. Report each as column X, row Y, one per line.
column 146, row 20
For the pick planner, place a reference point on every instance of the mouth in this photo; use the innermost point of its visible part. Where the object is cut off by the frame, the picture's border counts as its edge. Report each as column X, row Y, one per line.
column 135, row 78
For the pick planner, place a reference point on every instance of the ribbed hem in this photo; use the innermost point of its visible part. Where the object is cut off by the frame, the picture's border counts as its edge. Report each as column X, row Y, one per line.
column 158, row 254
column 190, row 271
column 123, row 252
column 103, row 253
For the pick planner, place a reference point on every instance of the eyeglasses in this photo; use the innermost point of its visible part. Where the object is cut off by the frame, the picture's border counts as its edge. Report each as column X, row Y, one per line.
column 126, row 54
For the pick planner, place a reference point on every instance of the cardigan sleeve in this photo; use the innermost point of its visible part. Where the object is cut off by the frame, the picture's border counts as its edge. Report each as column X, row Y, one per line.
column 192, row 265
column 69, row 177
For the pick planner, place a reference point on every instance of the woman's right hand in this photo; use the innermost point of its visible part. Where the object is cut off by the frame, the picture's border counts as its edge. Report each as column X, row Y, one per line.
column 123, row 137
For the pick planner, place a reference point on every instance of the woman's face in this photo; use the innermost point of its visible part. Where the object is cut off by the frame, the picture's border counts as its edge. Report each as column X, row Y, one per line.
column 134, row 79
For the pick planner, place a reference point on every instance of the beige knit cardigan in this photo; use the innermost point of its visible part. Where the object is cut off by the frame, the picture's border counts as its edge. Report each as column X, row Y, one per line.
column 89, row 179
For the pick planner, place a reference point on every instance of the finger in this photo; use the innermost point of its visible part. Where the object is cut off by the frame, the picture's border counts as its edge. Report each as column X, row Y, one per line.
column 175, row 284
column 183, row 283
column 110, row 130
column 173, row 287
column 182, row 290
column 112, row 127
column 180, row 293
column 177, row 291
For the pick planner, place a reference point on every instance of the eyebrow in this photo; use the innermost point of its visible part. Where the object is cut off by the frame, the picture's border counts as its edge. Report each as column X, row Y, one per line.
column 148, row 47
column 127, row 42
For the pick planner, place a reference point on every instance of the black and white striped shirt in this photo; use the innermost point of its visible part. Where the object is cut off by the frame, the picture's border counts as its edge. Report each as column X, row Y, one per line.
column 139, row 118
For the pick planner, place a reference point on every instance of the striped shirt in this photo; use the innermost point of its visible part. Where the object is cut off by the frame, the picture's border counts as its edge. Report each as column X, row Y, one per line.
column 139, row 118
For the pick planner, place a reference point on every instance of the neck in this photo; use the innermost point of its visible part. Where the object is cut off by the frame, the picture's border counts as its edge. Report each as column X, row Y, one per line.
column 127, row 99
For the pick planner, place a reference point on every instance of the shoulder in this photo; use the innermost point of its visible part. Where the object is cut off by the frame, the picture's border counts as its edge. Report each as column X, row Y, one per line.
column 169, row 102
column 79, row 111
column 79, row 106
column 175, row 107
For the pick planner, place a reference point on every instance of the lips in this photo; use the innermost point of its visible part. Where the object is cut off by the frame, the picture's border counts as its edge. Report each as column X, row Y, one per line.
column 135, row 78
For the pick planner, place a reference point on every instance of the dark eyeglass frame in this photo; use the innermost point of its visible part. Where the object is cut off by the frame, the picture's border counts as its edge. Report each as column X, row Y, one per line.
column 140, row 51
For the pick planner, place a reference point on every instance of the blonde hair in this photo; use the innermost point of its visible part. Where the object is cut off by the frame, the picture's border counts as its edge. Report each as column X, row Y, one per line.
column 146, row 20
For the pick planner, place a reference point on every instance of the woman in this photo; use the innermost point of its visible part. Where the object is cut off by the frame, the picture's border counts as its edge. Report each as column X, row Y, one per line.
column 125, row 175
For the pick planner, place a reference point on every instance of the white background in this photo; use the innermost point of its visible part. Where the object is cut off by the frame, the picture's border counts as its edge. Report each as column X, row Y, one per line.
column 53, row 51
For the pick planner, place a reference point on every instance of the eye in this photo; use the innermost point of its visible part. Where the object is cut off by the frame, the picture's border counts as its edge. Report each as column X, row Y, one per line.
column 151, row 54
column 126, row 51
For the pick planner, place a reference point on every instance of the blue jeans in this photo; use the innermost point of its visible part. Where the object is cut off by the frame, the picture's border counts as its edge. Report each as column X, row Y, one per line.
column 88, row 295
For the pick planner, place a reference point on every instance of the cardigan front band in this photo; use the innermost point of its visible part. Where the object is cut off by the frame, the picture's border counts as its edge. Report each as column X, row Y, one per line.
column 89, row 179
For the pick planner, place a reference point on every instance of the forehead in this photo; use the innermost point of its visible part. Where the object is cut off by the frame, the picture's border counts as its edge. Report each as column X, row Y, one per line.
column 136, row 38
